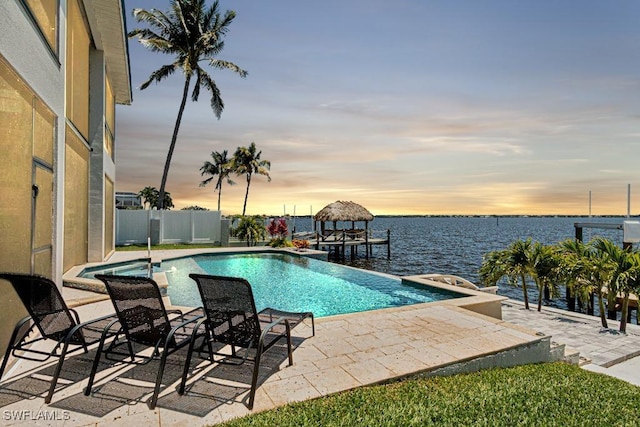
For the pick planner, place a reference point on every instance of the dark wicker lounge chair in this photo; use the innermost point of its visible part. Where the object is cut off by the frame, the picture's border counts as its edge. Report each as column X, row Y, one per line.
column 145, row 321
column 232, row 319
column 50, row 316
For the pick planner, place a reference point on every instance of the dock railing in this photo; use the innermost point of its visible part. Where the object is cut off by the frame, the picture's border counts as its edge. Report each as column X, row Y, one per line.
column 340, row 239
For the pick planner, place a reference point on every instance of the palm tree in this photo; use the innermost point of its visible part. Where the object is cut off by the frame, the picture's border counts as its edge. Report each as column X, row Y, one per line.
column 192, row 33
column 514, row 263
column 167, row 201
column 545, row 269
column 221, row 167
column 632, row 285
column 148, row 196
column 587, row 271
column 574, row 257
column 625, row 271
column 251, row 229
column 247, row 162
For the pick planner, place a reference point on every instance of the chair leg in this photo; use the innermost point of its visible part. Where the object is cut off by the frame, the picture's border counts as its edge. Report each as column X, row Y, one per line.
column 8, row 352
column 94, row 368
column 6, row 358
column 13, row 341
column 96, row 361
column 289, row 346
column 56, row 374
column 187, row 362
column 130, row 347
column 313, row 326
column 156, row 390
column 256, row 369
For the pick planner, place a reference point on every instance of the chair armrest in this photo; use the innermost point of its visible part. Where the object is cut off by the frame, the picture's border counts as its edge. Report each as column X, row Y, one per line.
column 105, row 332
column 273, row 324
column 183, row 324
column 176, row 311
column 75, row 314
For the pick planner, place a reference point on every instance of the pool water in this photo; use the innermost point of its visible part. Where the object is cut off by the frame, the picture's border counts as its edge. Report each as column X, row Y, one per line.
column 293, row 283
column 132, row 268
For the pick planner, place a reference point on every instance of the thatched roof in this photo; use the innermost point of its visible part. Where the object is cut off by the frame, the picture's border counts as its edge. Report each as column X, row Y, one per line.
column 343, row 211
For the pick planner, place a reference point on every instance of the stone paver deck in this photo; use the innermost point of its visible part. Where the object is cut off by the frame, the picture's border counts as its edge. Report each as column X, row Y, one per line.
column 600, row 346
column 348, row 351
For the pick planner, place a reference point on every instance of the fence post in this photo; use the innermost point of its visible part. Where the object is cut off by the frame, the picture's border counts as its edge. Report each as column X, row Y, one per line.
column 193, row 227
column 155, row 228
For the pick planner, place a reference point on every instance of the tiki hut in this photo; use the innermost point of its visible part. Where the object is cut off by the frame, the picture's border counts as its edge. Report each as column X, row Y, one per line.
column 340, row 239
column 343, row 211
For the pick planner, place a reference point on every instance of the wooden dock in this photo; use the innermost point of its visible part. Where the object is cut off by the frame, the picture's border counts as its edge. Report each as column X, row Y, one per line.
column 338, row 241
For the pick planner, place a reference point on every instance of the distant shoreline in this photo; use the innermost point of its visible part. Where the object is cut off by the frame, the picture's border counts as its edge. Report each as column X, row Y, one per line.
column 485, row 216
column 503, row 216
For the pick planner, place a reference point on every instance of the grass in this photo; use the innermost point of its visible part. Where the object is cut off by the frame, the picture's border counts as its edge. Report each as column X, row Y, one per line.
column 165, row 247
column 555, row 394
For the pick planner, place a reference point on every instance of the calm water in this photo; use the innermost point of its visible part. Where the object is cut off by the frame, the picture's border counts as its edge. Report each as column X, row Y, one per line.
column 456, row 245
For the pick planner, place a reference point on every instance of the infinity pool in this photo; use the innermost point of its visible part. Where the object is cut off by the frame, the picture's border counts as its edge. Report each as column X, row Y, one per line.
column 286, row 282
column 293, row 283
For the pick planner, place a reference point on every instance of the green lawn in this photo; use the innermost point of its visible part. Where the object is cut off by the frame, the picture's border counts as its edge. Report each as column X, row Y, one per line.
column 536, row 395
column 164, row 247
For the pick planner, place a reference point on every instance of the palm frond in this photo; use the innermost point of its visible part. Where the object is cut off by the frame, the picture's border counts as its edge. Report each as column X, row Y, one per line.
column 216, row 100
column 205, row 182
column 226, row 65
column 159, row 74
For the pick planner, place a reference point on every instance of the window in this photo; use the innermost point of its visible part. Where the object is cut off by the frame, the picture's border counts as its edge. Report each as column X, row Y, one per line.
column 109, row 208
column 109, row 118
column 76, row 200
column 45, row 13
column 77, row 69
column 27, row 130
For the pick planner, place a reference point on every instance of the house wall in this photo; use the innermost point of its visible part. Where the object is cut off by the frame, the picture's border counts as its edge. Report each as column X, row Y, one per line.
column 43, row 71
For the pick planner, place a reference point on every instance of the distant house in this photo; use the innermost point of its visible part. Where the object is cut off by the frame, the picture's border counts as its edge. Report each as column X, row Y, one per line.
column 64, row 66
column 128, row 200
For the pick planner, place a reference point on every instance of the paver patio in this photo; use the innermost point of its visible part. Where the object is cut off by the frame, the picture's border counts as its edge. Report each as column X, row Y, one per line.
column 348, row 351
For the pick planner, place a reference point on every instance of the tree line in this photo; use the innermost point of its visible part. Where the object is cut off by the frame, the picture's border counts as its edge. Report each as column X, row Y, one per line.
column 599, row 267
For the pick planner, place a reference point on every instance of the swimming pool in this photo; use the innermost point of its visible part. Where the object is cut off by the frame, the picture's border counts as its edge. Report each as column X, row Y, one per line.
column 286, row 282
column 293, row 283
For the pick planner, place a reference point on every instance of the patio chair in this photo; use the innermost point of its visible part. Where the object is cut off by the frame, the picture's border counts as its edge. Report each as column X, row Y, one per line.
column 145, row 321
column 232, row 319
column 50, row 316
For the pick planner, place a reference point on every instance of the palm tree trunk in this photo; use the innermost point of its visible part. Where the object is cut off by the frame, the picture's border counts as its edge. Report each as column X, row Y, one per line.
column 612, row 313
column 174, row 138
column 525, row 294
column 246, row 194
column 540, row 290
column 625, row 310
column 219, row 187
column 603, row 316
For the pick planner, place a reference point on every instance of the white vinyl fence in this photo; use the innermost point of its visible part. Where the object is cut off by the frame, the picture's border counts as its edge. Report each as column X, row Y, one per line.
column 135, row 226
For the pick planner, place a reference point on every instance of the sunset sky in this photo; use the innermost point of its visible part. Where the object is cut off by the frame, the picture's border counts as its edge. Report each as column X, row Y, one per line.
column 406, row 107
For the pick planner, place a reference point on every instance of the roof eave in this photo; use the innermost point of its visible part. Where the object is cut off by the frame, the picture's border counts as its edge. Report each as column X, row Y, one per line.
column 109, row 29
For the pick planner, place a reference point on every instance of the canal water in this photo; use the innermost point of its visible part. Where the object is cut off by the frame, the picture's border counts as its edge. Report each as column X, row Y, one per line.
column 456, row 245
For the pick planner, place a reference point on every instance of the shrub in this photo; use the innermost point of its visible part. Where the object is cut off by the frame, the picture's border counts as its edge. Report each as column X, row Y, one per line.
column 278, row 231
column 301, row 244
